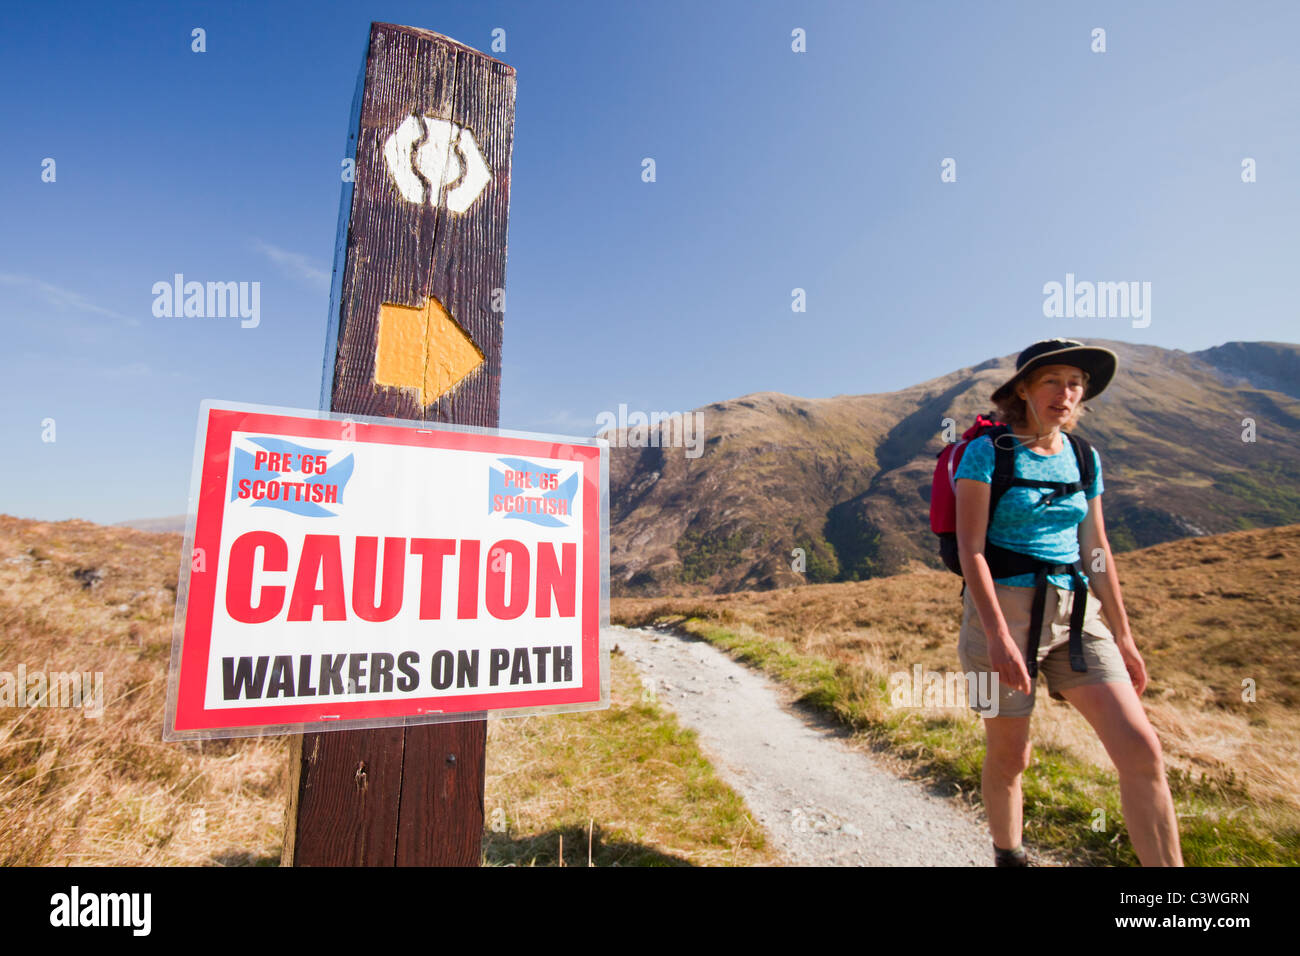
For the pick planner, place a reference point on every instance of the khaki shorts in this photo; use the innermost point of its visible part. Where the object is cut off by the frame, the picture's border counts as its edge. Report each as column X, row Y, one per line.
column 1099, row 649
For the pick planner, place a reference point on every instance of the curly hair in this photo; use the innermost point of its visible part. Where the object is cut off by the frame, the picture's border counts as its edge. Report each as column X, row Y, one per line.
column 1013, row 411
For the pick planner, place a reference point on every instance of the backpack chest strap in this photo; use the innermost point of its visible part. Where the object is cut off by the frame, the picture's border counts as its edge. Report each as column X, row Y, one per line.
column 1059, row 489
column 1004, row 470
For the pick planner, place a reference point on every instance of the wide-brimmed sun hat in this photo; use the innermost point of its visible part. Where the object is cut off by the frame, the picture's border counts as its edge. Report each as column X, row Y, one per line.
column 1099, row 363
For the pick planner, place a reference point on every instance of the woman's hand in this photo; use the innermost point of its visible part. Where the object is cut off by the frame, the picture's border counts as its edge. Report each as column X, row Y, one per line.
column 1137, row 668
column 1009, row 663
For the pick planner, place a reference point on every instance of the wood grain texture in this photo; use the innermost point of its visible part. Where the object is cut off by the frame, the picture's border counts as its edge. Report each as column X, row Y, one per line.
column 442, row 795
column 409, row 795
column 402, row 252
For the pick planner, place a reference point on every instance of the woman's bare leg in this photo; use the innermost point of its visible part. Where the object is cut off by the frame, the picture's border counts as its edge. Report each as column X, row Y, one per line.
column 1005, row 761
column 1116, row 713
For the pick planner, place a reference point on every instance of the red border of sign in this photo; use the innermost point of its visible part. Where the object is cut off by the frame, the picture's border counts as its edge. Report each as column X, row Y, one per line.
column 192, row 714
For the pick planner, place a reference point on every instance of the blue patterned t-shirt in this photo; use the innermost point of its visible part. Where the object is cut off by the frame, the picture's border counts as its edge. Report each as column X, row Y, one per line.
column 1048, row 532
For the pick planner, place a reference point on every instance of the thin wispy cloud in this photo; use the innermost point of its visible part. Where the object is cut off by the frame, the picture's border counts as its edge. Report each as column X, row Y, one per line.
column 62, row 298
column 294, row 264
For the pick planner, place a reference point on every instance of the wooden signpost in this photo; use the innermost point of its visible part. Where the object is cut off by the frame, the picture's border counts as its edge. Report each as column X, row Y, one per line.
column 416, row 312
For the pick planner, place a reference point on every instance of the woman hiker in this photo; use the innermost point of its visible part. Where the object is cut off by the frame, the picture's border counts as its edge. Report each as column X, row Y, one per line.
column 1041, row 401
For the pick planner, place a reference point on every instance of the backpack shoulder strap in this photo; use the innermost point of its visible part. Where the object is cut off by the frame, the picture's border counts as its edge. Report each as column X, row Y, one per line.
column 1087, row 464
column 1004, row 467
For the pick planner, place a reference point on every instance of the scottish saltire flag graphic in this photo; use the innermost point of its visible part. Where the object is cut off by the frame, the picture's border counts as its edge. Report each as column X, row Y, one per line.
column 520, row 490
column 283, row 480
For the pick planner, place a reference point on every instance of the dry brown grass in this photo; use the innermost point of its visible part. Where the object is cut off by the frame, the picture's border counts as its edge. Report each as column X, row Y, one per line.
column 109, row 791
column 77, row 790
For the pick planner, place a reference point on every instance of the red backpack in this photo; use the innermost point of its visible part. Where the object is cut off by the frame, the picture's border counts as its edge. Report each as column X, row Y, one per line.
column 943, row 491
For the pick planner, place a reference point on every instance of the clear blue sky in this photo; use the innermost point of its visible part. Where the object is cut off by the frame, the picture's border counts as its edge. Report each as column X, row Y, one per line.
column 775, row 170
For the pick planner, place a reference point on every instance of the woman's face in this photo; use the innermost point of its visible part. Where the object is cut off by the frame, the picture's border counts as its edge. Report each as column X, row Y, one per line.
column 1054, row 393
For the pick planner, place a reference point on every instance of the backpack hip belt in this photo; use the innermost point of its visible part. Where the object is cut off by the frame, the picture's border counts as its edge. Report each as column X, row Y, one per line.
column 1004, row 564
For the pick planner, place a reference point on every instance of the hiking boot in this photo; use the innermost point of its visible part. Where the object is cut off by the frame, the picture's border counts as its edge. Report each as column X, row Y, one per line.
column 1016, row 857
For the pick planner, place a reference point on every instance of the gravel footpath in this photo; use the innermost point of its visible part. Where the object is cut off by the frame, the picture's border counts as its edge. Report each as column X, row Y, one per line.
column 821, row 802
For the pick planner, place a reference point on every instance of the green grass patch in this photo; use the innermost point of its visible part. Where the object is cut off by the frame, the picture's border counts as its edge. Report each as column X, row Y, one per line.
column 627, row 786
column 706, row 554
column 1267, row 495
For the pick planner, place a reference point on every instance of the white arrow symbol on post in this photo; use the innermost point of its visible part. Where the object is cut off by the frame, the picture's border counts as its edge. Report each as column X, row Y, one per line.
column 437, row 162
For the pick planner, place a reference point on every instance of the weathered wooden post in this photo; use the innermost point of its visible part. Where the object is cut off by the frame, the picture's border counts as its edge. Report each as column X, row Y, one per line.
column 416, row 310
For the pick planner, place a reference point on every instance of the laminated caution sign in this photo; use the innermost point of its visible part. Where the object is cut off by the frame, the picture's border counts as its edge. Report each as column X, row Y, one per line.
column 358, row 572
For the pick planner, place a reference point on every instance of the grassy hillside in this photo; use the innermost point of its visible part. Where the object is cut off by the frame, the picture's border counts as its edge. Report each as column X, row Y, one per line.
column 1209, row 614
column 627, row 785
